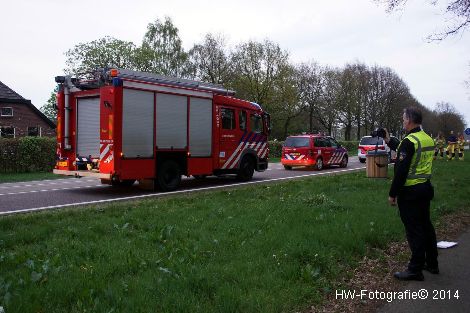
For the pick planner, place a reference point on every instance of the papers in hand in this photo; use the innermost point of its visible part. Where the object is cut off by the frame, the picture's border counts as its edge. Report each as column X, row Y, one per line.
column 446, row 244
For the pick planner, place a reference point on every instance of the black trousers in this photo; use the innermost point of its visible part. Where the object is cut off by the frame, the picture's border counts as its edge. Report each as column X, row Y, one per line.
column 414, row 205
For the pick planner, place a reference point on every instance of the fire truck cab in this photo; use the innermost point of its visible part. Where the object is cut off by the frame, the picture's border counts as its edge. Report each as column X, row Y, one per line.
column 121, row 126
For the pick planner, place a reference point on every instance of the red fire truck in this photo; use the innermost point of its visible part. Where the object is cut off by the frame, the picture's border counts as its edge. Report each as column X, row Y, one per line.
column 121, row 126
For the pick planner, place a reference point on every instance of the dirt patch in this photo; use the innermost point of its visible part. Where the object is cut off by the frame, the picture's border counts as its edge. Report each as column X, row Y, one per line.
column 376, row 274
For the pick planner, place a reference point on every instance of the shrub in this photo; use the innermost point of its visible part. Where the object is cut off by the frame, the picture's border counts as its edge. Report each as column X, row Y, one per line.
column 27, row 154
column 351, row 146
column 275, row 148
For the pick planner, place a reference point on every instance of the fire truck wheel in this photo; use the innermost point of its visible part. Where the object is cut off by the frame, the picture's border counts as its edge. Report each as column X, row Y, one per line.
column 246, row 170
column 287, row 167
column 344, row 162
column 199, row 177
column 319, row 165
column 362, row 160
column 169, row 176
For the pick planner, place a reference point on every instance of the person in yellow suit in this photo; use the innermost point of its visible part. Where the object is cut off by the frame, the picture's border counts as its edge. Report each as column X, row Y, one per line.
column 461, row 145
column 439, row 142
column 451, row 145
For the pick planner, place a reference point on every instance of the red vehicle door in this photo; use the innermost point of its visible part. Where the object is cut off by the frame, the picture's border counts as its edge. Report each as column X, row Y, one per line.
column 324, row 146
column 229, row 134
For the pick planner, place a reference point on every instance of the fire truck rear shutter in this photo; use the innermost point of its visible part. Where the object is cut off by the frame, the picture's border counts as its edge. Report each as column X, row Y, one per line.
column 88, row 128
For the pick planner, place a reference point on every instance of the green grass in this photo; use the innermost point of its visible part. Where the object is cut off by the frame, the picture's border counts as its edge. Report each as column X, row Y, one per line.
column 264, row 248
column 17, row 177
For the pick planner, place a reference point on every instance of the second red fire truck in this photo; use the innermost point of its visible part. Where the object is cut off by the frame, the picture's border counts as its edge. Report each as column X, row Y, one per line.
column 122, row 126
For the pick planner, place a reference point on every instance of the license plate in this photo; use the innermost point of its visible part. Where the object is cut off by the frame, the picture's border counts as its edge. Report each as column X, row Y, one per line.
column 63, row 163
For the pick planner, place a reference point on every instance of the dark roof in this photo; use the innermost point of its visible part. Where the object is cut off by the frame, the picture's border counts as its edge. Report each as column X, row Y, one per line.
column 8, row 95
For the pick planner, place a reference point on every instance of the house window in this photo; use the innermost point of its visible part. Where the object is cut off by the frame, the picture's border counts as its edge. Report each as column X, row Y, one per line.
column 33, row 131
column 7, row 132
column 6, row 112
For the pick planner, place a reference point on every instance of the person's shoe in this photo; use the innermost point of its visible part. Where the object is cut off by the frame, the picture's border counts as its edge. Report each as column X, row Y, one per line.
column 407, row 275
column 432, row 270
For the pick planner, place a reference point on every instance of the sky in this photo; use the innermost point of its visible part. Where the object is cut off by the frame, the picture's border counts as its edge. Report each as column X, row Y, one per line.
column 34, row 36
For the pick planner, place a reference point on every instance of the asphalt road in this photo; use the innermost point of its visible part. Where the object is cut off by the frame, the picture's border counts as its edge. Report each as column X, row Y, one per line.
column 48, row 194
column 446, row 292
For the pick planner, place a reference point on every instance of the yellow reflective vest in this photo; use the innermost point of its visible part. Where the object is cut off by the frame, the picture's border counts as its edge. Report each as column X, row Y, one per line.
column 421, row 162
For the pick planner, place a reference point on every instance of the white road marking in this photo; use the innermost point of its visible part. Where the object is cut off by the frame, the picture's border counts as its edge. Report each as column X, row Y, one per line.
column 45, row 190
column 32, row 184
column 179, row 191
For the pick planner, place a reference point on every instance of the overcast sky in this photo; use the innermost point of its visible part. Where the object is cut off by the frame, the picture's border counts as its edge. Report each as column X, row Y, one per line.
column 35, row 35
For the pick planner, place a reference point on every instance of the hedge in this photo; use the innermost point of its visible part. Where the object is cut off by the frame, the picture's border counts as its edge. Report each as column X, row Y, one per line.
column 27, row 154
column 275, row 147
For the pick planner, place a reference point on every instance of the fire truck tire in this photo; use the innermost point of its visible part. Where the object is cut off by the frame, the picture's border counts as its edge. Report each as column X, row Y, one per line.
column 199, row 177
column 246, row 170
column 287, row 167
column 319, row 164
column 362, row 160
column 344, row 162
column 169, row 176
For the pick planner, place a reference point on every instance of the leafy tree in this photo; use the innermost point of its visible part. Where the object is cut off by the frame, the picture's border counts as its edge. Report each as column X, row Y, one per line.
column 49, row 108
column 285, row 102
column 257, row 67
column 209, row 60
column 161, row 51
column 100, row 53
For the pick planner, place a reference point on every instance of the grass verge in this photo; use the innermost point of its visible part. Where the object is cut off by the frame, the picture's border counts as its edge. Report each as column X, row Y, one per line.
column 264, row 248
column 17, row 177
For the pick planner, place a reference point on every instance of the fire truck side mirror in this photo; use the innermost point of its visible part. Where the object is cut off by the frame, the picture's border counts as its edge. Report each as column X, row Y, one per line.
column 267, row 122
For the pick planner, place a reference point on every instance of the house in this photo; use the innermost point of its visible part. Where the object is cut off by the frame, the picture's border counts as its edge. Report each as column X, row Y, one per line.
column 19, row 117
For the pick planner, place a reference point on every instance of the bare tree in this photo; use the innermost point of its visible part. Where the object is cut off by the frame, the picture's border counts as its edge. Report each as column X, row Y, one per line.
column 309, row 81
column 459, row 10
column 330, row 100
column 448, row 117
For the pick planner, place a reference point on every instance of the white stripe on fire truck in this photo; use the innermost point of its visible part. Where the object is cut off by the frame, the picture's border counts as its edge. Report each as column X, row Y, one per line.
column 105, row 151
column 249, row 144
column 233, row 155
column 260, row 151
column 264, row 153
column 258, row 145
column 265, row 150
column 238, row 156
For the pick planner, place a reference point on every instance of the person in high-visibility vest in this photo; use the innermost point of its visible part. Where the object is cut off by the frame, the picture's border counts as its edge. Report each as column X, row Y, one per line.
column 451, row 145
column 461, row 145
column 412, row 190
column 439, row 142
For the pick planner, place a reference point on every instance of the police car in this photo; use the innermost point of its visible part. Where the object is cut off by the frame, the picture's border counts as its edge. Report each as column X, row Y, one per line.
column 315, row 151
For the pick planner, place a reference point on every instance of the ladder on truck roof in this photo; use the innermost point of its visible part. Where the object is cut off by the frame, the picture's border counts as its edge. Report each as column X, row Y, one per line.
column 173, row 81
